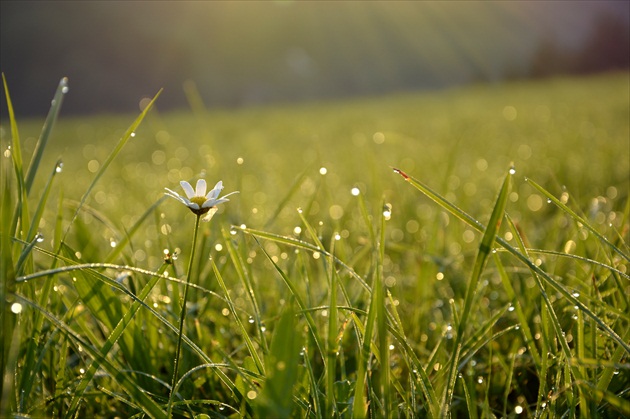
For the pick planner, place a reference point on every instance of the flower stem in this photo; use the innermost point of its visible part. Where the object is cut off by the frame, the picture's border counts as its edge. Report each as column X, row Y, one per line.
column 182, row 318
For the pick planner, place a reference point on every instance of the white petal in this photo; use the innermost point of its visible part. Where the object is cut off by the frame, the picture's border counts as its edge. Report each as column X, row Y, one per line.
column 175, row 195
column 215, row 191
column 201, row 187
column 193, row 205
column 187, row 188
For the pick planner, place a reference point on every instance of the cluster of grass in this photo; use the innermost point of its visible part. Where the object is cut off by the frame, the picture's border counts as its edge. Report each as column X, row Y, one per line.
column 337, row 283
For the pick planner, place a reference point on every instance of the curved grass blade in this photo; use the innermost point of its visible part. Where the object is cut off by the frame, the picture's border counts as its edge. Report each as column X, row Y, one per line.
column 248, row 342
column 518, row 307
column 300, row 244
column 577, row 218
column 53, row 113
column 243, row 275
column 299, row 301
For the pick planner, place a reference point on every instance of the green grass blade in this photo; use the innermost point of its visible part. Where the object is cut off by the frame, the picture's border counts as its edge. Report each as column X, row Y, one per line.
column 21, row 212
column 53, row 113
column 300, row 244
column 528, row 338
column 381, row 319
column 331, row 346
column 121, row 143
column 282, row 368
column 299, row 301
column 485, row 248
column 241, row 269
column 248, row 341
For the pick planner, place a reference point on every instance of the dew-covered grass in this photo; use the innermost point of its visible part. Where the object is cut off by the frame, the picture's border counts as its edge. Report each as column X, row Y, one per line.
column 461, row 253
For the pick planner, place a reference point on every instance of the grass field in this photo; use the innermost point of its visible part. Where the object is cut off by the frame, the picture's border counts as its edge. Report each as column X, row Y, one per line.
column 461, row 253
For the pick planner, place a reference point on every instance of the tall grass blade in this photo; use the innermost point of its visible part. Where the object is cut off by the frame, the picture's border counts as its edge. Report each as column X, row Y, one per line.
column 248, row 341
column 453, row 209
column 485, row 248
column 276, row 399
column 103, row 168
column 21, row 211
column 53, row 113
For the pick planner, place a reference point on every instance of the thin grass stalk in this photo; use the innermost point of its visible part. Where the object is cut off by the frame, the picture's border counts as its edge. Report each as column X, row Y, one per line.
column 182, row 318
column 331, row 345
column 381, row 317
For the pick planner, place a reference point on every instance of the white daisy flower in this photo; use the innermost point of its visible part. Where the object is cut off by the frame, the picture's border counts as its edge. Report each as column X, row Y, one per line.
column 196, row 199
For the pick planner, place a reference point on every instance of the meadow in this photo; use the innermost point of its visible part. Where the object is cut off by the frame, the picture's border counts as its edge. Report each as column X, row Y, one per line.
column 461, row 253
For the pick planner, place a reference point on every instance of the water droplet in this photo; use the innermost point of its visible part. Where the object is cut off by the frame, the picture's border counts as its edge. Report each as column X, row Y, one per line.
column 512, row 170
column 511, row 308
column 391, row 347
column 239, row 160
column 7, row 152
column 480, row 379
column 59, row 167
column 39, row 237
column 549, row 200
column 576, row 294
column 233, row 231
column 299, row 210
column 387, row 211
column 243, row 226
column 355, row 191
column 16, row 308
column 133, row 134
column 251, row 320
column 337, row 236
column 323, row 170
column 112, row 242
column 64, row 89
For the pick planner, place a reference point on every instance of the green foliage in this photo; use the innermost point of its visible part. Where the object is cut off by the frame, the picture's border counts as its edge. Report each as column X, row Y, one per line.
column 330, row 286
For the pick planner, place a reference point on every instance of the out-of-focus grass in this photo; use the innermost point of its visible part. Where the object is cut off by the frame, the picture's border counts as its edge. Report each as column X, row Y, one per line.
column 412, row 325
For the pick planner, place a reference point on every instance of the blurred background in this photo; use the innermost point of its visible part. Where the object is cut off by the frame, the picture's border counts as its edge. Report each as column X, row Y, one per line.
column 236, row 54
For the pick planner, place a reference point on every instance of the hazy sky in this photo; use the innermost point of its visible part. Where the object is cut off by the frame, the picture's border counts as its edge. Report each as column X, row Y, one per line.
column 236, row 53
